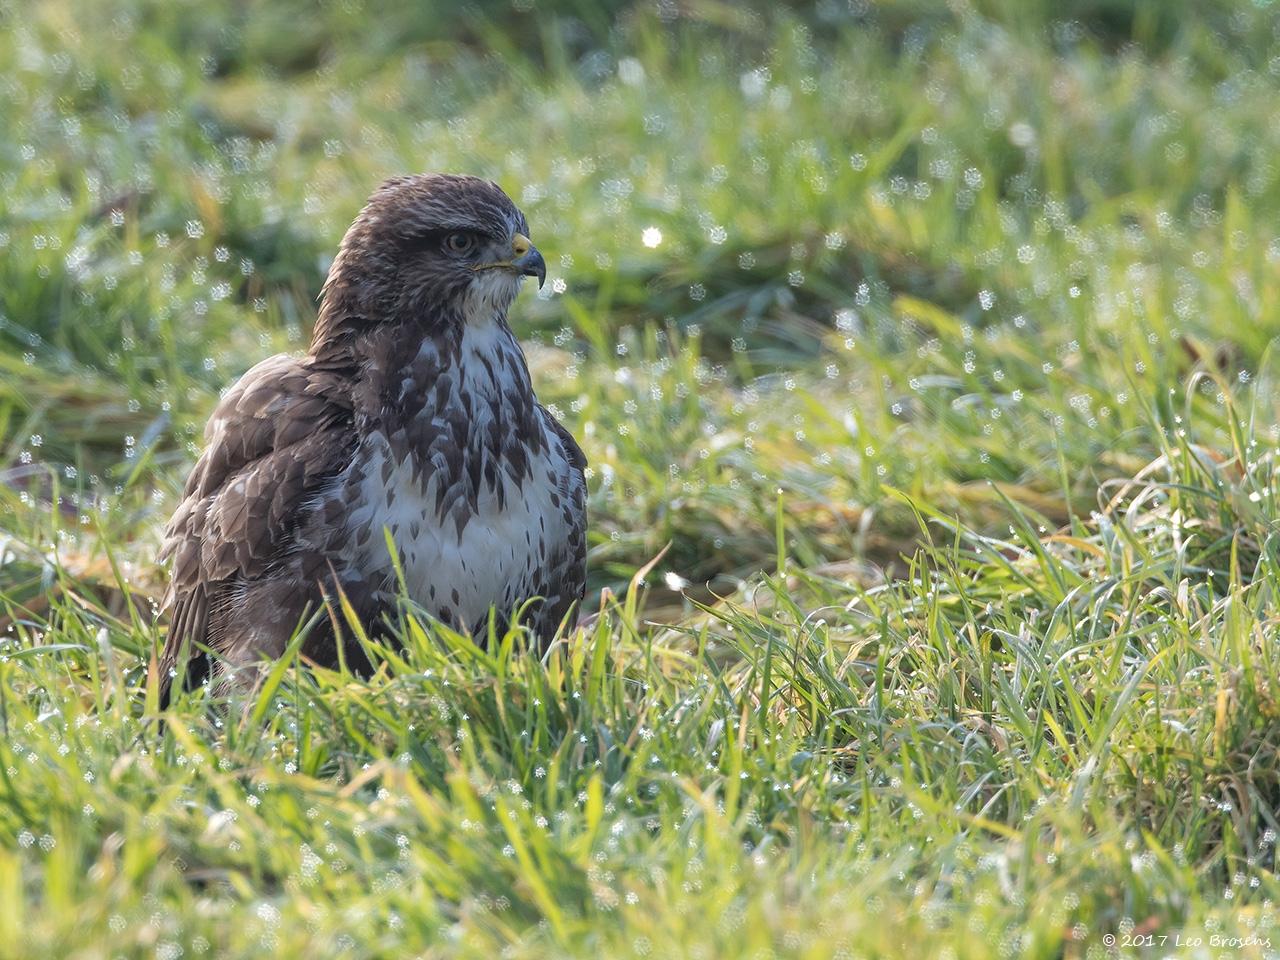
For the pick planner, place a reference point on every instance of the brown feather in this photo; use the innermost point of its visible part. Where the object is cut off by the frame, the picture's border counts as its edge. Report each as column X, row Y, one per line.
column 274, row 439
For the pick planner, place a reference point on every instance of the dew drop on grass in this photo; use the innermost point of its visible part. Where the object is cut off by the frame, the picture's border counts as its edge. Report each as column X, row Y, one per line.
column 631, row 72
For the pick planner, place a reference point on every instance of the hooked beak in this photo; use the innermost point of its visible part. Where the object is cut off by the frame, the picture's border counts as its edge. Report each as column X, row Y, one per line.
column 527, row 259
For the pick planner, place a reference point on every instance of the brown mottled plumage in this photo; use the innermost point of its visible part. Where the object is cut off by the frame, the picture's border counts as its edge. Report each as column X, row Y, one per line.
column 413, row 412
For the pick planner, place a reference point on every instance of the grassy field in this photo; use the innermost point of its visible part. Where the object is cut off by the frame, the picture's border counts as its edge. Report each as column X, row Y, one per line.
column 932, row 343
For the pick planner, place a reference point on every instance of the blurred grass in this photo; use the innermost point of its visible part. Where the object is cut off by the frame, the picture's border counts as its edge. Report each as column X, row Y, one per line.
column 933, row 339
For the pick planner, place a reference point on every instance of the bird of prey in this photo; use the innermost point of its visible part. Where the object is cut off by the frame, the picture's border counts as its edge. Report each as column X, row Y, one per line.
column 412, row 413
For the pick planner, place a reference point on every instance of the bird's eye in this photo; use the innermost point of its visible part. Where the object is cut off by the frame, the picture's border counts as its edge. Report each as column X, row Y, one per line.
column 460, row 243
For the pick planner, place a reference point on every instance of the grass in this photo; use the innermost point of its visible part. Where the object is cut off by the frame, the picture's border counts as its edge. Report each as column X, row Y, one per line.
column 931, row 343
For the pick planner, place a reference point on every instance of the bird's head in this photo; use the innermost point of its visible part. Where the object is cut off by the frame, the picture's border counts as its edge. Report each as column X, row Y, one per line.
column 435, row 249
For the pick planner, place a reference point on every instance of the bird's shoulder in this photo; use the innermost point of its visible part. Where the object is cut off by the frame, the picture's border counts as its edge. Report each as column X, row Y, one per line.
column 577, row 458
column 277, row 403
column 282, row 431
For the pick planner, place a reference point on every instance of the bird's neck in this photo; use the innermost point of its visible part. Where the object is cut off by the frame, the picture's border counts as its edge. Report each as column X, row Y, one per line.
column 407, row 372
column 483, row 360
column 458, row 405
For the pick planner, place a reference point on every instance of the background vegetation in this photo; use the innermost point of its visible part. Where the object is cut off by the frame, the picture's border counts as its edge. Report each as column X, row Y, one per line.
column 932, row 341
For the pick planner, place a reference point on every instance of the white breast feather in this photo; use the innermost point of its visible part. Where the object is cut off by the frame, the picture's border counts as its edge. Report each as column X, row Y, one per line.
column 497, row 559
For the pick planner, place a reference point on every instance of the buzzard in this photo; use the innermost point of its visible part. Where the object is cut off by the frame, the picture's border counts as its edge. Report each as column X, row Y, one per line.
column 412, row 413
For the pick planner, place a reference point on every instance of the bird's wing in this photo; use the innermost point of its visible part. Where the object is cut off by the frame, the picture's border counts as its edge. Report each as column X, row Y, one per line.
column 571, row 448
column 274, row 440
column 568, row 571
